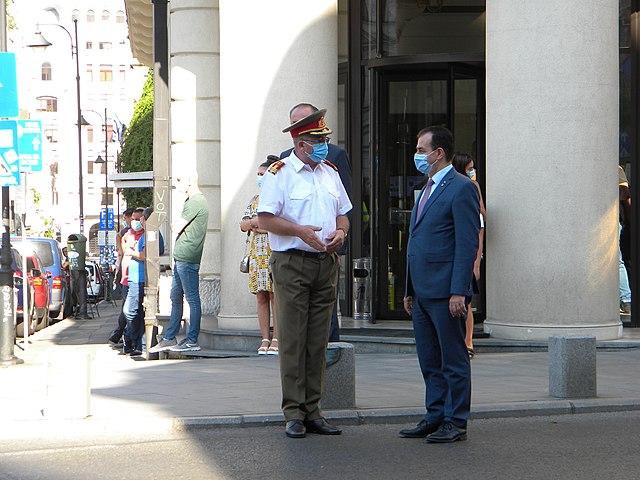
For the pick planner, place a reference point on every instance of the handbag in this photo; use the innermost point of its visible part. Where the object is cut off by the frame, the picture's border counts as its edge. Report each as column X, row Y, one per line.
column 244, row 263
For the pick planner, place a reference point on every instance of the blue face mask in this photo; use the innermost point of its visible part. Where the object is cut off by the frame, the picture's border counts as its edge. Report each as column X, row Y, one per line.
column 259, row 180
column 320, row 151
column 471, row 173
column 422, row 163
column 136, row 225
column 125, row 224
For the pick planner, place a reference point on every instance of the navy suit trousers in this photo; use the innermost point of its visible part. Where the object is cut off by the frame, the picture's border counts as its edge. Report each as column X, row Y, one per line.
column 444, row 361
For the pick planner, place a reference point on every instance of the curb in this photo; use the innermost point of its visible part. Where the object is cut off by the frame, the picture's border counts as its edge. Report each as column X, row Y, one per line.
column 400, row 415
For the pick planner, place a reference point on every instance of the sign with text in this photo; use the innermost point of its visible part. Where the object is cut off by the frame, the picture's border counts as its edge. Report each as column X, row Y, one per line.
column 29, row 143
column 9, row 158
column 106, row 219
column 104, row 239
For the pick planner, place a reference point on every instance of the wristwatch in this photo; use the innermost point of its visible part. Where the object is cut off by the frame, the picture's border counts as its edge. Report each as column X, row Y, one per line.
column 345, row 232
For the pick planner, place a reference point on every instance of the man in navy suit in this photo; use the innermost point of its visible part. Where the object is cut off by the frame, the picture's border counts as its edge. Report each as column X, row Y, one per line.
column 443, row 242
column 338, row 157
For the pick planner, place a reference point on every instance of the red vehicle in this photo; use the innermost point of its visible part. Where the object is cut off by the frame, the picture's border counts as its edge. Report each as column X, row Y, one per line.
column 40, row 284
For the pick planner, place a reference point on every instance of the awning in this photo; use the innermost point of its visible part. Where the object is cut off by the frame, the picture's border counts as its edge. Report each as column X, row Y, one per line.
column 140, row 21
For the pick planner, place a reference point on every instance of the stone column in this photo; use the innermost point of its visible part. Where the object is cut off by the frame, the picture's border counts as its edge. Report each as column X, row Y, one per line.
column 552, row 150
column 271, row 58
column 194, row 49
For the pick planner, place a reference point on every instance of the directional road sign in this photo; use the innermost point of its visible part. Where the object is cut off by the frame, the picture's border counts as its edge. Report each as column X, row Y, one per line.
column 29, row 143
column 9, row 159
column 8, row 85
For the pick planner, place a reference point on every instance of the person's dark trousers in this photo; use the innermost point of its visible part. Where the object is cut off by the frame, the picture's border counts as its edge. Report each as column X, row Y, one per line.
column 79, row 288
column 135, row 324
column 122, row 320
column 305, row 292
column 444, row 361
column 334, row 327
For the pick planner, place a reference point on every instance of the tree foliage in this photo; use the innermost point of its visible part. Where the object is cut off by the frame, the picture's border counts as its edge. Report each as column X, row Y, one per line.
column 11, row 22
column 137, row 146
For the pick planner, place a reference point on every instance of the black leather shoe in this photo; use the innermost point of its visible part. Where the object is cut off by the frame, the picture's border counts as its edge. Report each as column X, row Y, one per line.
column 421, row 430
column 321, row 427
column 295, row 429
column 447, row 433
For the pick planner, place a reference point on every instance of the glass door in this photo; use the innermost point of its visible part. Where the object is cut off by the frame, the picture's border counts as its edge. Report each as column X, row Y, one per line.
column 408, row 103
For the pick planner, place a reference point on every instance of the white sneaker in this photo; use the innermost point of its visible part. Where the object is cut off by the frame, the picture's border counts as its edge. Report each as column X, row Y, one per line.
column 163, row 345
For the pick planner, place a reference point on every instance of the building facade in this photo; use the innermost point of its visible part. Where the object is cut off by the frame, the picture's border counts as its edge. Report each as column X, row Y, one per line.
column 111, row 80
column 543, row 94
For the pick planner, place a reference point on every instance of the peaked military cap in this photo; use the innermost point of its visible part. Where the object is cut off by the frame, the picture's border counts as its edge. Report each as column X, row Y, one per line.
column 310, row 125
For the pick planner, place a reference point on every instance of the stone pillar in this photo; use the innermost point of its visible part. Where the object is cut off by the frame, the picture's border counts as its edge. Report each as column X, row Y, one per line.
column 271, row 58
column 552, row 150
column 194, row 47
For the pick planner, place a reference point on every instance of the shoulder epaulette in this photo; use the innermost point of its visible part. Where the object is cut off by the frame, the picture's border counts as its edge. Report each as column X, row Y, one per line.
column 331, row 165
column 275, row 166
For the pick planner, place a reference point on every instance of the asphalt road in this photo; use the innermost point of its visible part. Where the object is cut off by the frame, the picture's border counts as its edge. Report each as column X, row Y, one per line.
column 587, row 446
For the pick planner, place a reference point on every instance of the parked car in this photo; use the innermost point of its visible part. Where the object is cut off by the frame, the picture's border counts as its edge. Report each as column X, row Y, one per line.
column 39, row 282
column 32, row 316
column 95, row 281
column 50, row 253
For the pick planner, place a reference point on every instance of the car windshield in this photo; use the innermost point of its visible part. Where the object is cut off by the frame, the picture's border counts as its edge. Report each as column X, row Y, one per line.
column 43, row 249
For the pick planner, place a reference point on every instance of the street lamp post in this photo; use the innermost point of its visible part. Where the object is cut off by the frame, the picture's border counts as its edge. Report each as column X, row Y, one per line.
column 40, row 42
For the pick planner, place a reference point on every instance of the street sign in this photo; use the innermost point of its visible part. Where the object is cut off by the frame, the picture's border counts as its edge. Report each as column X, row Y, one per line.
column 106, row 219
column 8, row 85
column 9, row 159
column 29, row 142
column 102, row 237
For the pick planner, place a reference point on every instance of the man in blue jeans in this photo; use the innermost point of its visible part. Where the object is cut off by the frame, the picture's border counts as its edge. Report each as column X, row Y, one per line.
column 133, row 251
column 191, row 228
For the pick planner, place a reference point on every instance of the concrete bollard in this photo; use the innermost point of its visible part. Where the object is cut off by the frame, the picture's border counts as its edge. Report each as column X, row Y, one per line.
column 339, row 389
column 68, row 385
column 572, row 366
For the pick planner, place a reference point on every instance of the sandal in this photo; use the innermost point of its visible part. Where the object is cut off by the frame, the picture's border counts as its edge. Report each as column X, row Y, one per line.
column 263, row 347
column 273, row 348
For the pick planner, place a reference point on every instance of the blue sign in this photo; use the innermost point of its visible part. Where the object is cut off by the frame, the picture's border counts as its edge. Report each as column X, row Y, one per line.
column 106, row 219
column 8, row 85
column 29, row 142
column 9, row 159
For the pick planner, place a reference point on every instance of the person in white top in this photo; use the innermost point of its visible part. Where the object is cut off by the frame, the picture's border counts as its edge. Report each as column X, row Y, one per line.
column 303, row 206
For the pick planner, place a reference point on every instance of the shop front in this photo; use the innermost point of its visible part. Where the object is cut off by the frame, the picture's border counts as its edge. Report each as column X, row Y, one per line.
column 412, row 64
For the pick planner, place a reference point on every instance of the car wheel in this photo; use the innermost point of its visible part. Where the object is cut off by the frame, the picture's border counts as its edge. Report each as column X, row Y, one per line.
column 53, row 316
column 33, row 321
column 44, row 321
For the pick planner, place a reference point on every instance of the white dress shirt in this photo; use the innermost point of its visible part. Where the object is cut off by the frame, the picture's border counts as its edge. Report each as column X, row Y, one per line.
column 303, row 196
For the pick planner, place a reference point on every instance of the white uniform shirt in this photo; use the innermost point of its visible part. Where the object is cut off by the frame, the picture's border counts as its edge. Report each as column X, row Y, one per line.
column 303, row 196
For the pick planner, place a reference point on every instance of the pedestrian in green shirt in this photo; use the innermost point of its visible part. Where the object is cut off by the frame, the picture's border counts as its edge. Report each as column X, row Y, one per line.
column 191, row 229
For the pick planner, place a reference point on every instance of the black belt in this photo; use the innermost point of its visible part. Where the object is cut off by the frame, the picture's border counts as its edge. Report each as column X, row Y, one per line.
column 304, row 253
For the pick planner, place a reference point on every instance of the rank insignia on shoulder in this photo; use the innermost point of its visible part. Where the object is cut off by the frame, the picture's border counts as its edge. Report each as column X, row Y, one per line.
column 275, row 166
column 327, row 162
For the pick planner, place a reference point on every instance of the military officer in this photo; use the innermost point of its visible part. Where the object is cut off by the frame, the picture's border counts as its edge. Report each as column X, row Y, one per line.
column 303, row 205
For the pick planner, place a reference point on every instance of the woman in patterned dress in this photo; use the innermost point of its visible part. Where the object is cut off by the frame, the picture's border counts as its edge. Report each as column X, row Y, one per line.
column 259, row 272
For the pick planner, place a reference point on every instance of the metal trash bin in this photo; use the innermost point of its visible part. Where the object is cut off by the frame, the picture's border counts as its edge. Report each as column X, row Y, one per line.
column 362, row 288
column 77, row 251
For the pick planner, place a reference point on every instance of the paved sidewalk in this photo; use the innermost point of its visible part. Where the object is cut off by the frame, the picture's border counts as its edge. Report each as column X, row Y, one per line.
column 52, row 385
